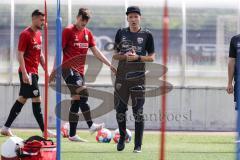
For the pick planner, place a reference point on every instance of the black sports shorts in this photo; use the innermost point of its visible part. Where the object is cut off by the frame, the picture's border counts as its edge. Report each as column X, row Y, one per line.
column 73, row 79
column 27, row 90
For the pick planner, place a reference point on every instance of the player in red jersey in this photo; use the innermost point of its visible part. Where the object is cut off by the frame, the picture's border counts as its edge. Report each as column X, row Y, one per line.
column 76, row 40
column 29, row 57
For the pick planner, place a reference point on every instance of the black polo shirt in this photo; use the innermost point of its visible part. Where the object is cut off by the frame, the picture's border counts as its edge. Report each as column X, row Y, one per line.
column 143, row 44
column 235, row 41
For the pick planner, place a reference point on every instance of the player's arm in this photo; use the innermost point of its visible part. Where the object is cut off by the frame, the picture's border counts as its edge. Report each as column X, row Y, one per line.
column 65, row 38
column 150, row 50
column 42, row 61
column 132, row 56
column 120, row 57
column 21, row 61
column 135, row 57
column 53, row 73
column 96, row 52
column 148, row 58
column 22, row 47
column 231, row 66
column 117, row 55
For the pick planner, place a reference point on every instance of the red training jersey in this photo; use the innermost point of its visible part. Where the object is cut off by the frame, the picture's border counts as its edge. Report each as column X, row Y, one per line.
column 30, row 43
column 75, row 44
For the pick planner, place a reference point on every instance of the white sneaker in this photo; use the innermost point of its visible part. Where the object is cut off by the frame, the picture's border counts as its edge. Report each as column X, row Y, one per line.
column 5, row 131
column 96, row 127
column 76, row 138
column 51, row 134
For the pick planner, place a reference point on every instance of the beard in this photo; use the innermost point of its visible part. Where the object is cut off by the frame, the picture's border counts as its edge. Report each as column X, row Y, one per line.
column 40, row 27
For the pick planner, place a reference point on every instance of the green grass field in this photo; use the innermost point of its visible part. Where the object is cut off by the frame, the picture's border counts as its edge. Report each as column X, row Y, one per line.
column 179, row 146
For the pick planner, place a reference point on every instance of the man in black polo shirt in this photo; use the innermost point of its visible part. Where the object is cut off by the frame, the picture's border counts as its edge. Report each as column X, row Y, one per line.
column 235, row 42
column 134, row 46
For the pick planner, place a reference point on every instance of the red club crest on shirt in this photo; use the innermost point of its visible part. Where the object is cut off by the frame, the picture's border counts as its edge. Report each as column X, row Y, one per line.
column 76, row 37
column 34, row 42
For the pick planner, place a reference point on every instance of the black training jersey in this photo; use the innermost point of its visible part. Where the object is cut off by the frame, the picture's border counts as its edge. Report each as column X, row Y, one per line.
column 143, row 44
column 233, row 50
column 234, row 44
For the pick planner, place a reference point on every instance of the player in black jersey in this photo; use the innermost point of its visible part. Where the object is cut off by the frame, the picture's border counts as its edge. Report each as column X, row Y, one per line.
column 134, row 46
column 233, row 53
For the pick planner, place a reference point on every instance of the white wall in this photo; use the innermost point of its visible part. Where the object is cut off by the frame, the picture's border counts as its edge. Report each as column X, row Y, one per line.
column 204, row 109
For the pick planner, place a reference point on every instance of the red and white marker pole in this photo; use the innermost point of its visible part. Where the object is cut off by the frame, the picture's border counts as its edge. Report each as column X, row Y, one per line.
column 165, row 39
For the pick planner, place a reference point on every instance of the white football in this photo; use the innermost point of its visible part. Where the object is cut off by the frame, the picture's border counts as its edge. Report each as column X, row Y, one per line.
column 104, row 136
column 65, row 130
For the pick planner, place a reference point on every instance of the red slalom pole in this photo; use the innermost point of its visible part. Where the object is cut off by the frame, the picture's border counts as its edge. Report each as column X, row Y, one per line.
column 46, row 71
column 165, row 40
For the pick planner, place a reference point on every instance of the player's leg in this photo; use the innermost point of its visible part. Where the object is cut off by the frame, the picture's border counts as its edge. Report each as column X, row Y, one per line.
column 235, row 95
column 85, row 109
column 37, row 112
column 14, row 112
column 36, row 101
column 121, row 109
column 121, row 96
column 24, row 93
column 36, row 105
column 74, row 84
column 138, row 99
column 81, row 90
column 74, row 117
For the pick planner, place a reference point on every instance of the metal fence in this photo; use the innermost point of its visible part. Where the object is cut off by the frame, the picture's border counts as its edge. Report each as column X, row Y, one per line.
column 199, row 35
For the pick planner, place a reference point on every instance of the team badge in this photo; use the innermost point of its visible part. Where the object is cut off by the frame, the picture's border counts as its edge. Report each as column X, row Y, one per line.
column 34, row 41
column 118, row 86
column 140, row 40
column 76, row 37
column 79, row 83
column 238, row 44
column 35, row 92
column 86, row 37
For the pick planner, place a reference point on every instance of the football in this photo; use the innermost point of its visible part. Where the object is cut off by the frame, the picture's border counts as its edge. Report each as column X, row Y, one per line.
column 117, row 136
column 104, row 136
column 65, row 130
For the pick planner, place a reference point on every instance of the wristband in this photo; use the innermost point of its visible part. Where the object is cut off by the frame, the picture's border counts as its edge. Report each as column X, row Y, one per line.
column 139, row 58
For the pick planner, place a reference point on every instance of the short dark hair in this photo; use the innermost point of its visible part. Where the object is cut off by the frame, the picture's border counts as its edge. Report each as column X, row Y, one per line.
column 85, row 13
column 37, row 12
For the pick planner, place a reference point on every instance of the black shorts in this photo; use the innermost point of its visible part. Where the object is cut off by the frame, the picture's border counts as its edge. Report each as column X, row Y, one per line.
column 27, row 90
column 73, row 79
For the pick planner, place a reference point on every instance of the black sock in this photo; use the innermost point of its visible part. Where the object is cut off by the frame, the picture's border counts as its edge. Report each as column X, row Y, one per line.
column 139, row 127
column 16, row 109
column 36, row 106
column 86, row 111
column 121, row 119
column 73, row 117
